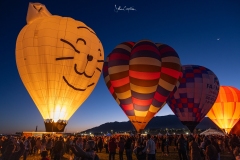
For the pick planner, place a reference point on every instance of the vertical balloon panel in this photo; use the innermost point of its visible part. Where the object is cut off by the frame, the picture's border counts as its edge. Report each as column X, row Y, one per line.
column 59, row 61
column 144, row 74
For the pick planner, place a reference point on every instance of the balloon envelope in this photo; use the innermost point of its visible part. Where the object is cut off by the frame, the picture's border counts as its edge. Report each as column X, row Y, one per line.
column 195, row 95
column 236, row 129
column 140, row 77
column 226, row 110
column 59, row 61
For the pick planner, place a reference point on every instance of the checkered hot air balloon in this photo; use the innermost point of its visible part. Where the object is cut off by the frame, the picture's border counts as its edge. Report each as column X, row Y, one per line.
column 195, row 95
column 226, row 110
column 140, row 77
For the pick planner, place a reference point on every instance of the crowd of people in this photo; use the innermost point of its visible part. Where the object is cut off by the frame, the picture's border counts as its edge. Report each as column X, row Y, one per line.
column 79, row 147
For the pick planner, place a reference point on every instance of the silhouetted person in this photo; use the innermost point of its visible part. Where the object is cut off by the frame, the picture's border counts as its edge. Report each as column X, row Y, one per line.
column 182, row 152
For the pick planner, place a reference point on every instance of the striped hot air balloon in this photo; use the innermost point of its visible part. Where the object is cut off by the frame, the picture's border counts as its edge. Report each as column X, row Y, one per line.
column 226, row 110
column 140, row 77
column 195, row 95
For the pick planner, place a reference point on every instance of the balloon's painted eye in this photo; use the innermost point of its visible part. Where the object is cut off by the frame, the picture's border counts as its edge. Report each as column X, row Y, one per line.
column 82, row 40
column 70, row 44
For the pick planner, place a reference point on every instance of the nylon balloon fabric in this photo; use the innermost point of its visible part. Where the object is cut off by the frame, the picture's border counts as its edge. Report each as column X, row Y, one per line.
column 195, row 95
column 226, row 110
column 59, row 60
column 140, row 76
column 236, row 128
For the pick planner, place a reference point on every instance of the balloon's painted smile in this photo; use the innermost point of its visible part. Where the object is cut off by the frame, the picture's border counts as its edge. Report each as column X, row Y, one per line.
column 89, row 58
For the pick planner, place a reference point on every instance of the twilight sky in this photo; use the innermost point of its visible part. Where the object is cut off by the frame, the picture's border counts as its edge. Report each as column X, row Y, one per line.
column 202, row 32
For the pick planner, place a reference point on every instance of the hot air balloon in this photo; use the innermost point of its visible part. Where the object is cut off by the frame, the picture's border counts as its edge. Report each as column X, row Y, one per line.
column 195, row 95
column 225, row 112
column 59, row 60
column 140, row 77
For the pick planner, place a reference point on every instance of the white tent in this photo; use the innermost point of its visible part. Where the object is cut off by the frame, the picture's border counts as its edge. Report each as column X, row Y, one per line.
column 211, row 131
column 108, row 134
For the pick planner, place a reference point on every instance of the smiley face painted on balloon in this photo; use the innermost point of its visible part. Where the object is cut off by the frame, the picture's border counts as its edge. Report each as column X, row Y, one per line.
column 88, row 58
column 59, row 60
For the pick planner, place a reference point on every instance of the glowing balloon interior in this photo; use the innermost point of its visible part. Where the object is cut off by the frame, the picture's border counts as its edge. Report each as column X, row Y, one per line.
column 195, row 95
column 140, row 77
column 59, row 60
column 226, row 110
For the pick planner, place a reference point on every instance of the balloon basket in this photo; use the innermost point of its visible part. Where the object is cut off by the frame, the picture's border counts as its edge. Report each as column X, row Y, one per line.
column 55, row 126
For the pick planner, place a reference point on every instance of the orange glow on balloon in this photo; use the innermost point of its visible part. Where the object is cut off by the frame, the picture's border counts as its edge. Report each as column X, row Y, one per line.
column 59, row 60
column 226, row 110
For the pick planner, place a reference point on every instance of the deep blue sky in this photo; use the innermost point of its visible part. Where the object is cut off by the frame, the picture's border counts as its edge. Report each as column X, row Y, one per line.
column 190, row 27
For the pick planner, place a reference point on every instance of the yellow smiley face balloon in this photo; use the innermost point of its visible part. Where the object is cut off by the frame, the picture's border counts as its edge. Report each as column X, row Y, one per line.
column 59, row 60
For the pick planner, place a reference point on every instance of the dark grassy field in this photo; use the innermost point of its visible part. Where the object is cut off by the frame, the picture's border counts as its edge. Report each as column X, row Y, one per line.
column 172, row 156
